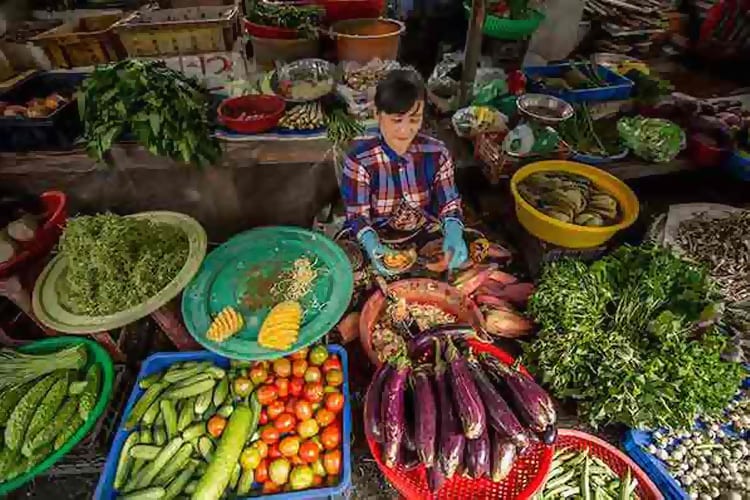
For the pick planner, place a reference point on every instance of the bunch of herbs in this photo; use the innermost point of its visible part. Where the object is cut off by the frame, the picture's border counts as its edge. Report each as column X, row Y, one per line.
column 166, row 111
column 117, row 262
column 626, row 337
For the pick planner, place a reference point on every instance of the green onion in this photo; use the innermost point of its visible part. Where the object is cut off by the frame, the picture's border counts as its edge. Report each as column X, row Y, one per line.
column 17, row 368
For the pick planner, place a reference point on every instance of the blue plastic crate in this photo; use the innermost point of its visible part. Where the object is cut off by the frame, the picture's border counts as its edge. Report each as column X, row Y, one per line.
column 599, row 160
column 634, row 442
column 162, row 361
column 619, row 88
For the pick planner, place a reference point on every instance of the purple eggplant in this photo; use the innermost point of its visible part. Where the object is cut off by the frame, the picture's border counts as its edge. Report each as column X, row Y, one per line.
column 549, row 436
column 532, row 403
column 503, row 456
column 468, row 402
column 409, row 415
column 408, row 459
column 435, row 478
column 499, row 414
column 478, row 456
column 392, row 410
column 423, row 344
column 452, row 441
column 373, row 422
column 425, row 432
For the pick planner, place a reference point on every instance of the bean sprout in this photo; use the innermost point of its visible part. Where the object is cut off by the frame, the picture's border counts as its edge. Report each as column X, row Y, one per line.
column 296, row 283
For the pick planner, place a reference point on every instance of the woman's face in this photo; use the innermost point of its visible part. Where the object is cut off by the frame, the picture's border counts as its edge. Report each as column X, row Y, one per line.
column 399, row 130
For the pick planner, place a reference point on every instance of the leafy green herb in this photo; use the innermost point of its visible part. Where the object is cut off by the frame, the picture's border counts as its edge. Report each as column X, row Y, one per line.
column 627, row 338
column 165, row 110
column 586, row 135
column 305, row 18
column 117, row 262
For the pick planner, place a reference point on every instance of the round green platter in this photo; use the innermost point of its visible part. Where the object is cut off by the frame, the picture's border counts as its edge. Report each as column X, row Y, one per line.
column 225, row 280
column 50, row 311
column 95, row 355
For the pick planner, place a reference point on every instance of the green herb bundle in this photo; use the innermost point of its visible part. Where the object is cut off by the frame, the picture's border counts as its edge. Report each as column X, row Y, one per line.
column 166, row 111
column 117, row 262
column 305, row 18
column 628, row 338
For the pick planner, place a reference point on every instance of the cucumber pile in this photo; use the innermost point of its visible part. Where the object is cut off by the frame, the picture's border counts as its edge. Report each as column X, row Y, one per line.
column 188, row 430
column 40, row 416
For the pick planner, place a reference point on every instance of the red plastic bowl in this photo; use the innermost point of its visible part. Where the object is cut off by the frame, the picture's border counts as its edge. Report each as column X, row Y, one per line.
column 55, row 214
column 703, row 154
column 420, row 291
column 263, row 31
column 270, row 106
column 524, row 480
column 342, row 10
column 614, row 458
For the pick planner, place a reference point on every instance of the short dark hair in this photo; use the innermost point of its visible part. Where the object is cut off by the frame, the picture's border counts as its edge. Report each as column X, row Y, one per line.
column 397, row 92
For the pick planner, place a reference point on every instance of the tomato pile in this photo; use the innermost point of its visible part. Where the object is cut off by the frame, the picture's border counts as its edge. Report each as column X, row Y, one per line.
column 299, row 444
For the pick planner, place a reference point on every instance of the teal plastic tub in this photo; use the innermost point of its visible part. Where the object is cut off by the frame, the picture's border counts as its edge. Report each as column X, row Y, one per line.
column 509, row 29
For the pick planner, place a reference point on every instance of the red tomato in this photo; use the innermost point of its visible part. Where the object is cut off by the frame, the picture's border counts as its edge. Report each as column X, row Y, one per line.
column 317, row 480
column 332, row 462
column 296, row 460
column 282, row 367
column 299, row 366
column 285, row 423
column 274, row 451
column 289, row 446
column 313, row 392
column 331, row 437
column 275, row 409
column 296, row 385
column 335, row 378
column 269, row 434
column 312, row 374
column 267, row 394
column 334, row 401
column 332, row 363
column 282, row 385
column 324, row 417
column 309, row 452
column 307, row 428
column 289, row 407
column 261, row 447
column 269, row 487
column 258, row 375
column 303, row 410
column 263, row 417
column 301, row 354
column 261, row 471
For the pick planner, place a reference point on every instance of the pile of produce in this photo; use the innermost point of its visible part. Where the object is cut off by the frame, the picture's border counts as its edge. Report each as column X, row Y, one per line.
column 570, row 198
column 342, row 128
column 38, row 107
column 713, row 460
column 44, row 400
column 577, row 77
column 166, row 111
column 580, row 474
column 616, row 336
column 652, row 139
column 588, row 136
column 465, row 413
column 116, row 262
column 305, row 18
column 362, row 78
column 195, row 430
column 308, row 116
column 398, row 322
column 628, row 27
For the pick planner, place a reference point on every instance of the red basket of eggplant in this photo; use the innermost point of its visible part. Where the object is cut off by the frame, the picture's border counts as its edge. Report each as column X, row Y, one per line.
column 459, row 422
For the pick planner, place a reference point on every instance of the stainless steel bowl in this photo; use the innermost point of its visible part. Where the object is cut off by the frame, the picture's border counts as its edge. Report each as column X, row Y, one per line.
column 544, row 108
column 317, row 72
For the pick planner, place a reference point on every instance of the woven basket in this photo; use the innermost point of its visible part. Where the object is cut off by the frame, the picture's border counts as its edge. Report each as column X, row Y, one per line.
column 172, row 32
column 87, row 41
column 489, row 151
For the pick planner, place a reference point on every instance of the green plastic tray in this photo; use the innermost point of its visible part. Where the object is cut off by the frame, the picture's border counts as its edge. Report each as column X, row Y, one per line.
column 96, row 355
column 52, row 313
column 509, row 29
column 222, row 282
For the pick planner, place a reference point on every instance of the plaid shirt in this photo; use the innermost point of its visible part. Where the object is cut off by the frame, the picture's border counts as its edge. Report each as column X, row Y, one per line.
column 376, row 179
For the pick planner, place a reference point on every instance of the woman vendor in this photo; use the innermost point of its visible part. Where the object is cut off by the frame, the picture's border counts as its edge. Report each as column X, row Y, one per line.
column 401, row 171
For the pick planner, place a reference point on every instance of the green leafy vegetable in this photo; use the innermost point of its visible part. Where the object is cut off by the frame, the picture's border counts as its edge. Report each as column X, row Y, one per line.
column 165, row 110
column 117, row 262
column 627, row 337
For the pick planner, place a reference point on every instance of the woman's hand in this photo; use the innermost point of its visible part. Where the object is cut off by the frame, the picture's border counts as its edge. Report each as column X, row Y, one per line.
column 453, row 242
column 369, row 240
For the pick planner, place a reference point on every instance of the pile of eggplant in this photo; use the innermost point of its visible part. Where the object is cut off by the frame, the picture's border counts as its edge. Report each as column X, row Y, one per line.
column 455, row 410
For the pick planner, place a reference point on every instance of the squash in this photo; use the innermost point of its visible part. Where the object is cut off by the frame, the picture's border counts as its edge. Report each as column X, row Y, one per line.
column 281, row 327
column 227, row 323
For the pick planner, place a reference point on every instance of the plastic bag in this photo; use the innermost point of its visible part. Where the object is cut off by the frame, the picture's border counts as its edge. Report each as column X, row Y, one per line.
column 491, row 92
column 652, row 139
column 475, row 120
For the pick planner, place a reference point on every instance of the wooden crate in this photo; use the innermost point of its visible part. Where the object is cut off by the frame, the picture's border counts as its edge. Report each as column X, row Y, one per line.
column 86, row 41
column 172, row 32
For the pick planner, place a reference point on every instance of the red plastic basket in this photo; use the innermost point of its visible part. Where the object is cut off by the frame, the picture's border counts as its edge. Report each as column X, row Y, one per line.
column 55, row 214
column 270, row 106
column 524, row 480
column 274, row 32
column 614, row 458
column 342, row 10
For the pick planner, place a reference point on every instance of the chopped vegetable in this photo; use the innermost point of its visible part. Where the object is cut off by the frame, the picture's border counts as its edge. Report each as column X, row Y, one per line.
column 227, row 323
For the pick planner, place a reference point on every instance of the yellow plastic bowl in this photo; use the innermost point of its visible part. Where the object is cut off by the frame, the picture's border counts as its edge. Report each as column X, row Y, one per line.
column 565, row 234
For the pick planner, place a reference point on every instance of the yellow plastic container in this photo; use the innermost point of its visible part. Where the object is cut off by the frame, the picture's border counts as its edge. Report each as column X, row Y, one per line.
column 565, row 234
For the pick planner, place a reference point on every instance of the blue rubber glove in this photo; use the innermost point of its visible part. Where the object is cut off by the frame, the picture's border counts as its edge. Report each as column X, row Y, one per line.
column 369, row 240
column 453, row 242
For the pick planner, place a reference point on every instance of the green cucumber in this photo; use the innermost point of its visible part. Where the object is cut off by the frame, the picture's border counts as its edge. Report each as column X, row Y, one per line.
column 235, row 477
column 50, row 404
column 175, row 465
column 194, row 432
column 202, row 402
column 220, row 391
column 206, row 448
column 150, row 416
column 193, row 390
column 47, row 435
column 160, row 436
column 170, row 417
column 246, row 482
column 75, row 423
column 125, row 462
column 152, row 493
column 145, row 451
column 77, row 387
column 225, row 411
column 186, row 414
column 15, row 429
column 219, row 473
column 174, row 376
column 10, row 399
column 180, row 483
column 91, row 393
column 147, row 398
column 147, row 382
column 215, row 371
column 151, row 470
column 190, row 487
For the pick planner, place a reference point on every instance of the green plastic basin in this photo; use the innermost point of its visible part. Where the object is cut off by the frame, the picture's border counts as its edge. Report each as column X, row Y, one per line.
column 95, row 355
column 509, row 29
